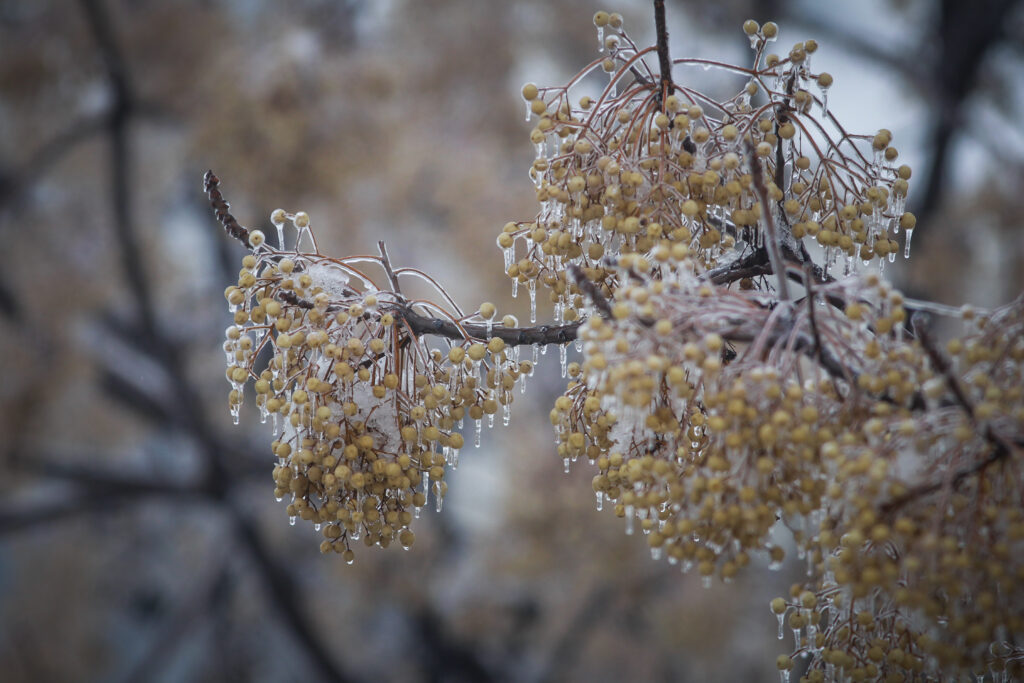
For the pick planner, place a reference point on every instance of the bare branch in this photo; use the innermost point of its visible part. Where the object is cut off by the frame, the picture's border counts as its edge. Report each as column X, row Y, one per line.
column 211, row 183
column 664, row 60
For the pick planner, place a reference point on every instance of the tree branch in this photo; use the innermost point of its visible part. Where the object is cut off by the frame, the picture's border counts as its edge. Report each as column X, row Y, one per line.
column 664, row 60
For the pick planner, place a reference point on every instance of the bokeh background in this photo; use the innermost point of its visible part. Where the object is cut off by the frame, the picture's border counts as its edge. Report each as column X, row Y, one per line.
column 139, row 537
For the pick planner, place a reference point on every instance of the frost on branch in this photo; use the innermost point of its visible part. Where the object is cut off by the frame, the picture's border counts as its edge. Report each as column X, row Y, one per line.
column 740, row 377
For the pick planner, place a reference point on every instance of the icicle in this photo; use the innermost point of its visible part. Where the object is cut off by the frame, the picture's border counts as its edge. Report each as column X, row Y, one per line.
column 783, row 675
column 797, row 637
column 438, row 498
column 705, row 581
column 528, row 111
column 506, row 414
column 291, row 520
column 599, row 495
column 562, row 358
column 509, row 255
column 490, row 420
column 600, row 38
column 906, row 247
column 536, row 357
column 532, row 286
column 515, row 287
column 782, row 625
column 629, row 520
column 565, row 465
column 479, row 428
column 579, row 345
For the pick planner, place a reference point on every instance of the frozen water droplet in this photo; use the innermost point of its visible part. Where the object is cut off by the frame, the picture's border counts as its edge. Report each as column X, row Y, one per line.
column 316, row 527
column 278, row 498
column 531, row 285
column 291, row 520
column 350, row 561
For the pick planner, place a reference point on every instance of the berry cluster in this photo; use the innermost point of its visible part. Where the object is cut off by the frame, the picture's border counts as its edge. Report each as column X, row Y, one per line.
column 370, row 412
column 721, row 411
column 643, row 162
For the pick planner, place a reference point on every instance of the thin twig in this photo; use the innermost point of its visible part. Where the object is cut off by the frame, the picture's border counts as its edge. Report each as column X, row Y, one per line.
column 387, row 267
column 211, row 183
column 589, row 288
column 771, row 234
